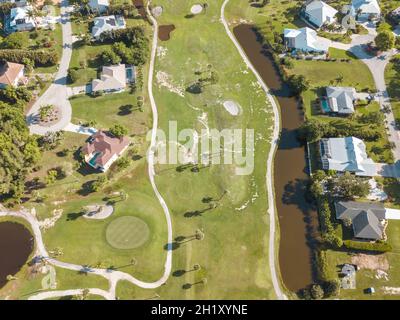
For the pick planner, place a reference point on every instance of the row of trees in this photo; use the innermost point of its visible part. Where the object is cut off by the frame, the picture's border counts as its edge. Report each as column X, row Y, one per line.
column 19, row 151
column 313, row 130
column 131, row 45
column 38, row 57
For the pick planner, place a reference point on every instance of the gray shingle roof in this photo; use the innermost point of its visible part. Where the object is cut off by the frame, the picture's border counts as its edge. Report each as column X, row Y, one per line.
column 365, row 217
column 367, row 226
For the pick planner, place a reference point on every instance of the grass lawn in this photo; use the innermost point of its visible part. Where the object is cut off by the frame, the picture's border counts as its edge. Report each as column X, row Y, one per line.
column 106, row 111
column 366, row 278
column 392, row 78
column 84, row 57
column 323, row 73
column 242, row 203
column 281, row 14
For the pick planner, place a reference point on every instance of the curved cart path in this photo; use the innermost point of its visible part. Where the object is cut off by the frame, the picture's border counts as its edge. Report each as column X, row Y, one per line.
column 269, row 176
column 111, row 275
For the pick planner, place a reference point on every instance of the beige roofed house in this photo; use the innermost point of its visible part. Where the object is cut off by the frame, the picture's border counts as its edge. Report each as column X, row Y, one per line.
column 113, row 78
column 11, row 74
column 103, row 149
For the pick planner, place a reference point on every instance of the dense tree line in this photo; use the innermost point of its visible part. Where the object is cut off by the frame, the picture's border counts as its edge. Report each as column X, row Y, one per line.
column 313, row 130
column 130, row 46
column 19, row 151
column 38, row 57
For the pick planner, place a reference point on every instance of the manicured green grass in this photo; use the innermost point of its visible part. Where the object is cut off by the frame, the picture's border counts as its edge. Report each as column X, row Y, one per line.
column 108, row 110
column 127, row 232
column 322, row 73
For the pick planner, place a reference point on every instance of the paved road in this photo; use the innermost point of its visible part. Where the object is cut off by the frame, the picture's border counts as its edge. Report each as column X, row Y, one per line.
column 64, row 293
column 269, row 175
column 56, row 94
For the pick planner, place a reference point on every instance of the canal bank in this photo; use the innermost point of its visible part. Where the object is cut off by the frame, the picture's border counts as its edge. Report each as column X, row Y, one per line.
column 298, row 220
column 16, row 245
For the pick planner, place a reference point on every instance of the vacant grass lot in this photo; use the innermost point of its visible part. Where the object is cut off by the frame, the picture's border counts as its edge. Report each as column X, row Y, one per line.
column 322, row 73
column 109, row 109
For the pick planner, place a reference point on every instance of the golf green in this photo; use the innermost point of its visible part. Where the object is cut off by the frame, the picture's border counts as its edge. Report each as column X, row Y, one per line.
column 127, row 232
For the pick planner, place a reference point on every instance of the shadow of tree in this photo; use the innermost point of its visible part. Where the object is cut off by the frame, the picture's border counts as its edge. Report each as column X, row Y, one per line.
column 74, row 215
column 178, row 273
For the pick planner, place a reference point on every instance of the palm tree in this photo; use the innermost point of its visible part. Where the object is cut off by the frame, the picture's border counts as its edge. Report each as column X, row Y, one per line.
column 85, row 294
column 199, row 235
column 196, row 267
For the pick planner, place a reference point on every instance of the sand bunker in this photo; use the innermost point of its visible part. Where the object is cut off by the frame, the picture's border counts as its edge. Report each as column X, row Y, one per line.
column 98, row 212
column 196, row 9
column 232, row 107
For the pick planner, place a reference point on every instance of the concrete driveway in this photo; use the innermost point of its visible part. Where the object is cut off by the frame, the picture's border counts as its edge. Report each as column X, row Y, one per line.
column 56, row 94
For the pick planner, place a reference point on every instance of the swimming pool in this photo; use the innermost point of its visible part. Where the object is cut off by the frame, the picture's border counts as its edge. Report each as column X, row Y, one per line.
column 325, row 106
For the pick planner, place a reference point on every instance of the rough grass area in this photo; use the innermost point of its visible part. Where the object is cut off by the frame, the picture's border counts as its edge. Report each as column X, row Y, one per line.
column 214, row 199
column 127, row 233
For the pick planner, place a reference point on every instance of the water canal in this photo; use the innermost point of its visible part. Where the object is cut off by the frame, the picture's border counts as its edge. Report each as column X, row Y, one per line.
column 298, row 220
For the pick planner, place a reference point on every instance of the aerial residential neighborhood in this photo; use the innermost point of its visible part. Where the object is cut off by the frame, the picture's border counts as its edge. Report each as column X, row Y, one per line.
column 115, row 183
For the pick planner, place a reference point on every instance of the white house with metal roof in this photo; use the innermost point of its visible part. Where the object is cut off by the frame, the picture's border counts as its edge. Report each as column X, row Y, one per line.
column 305, row 39
column 339, row 100
column 364, row 9
column 20, row 20
column 100, row 6
column 319, row 13
column 346, row 154
column 107, row 23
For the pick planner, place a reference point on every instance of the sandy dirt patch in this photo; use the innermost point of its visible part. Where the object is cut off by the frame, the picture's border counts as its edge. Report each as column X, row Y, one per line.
column 372, row 262
column 161, row 52
column 50, row 222
column 380, row 274
column 391, row 290
column 196, row 9
column 164, row 80
column 98, row 212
